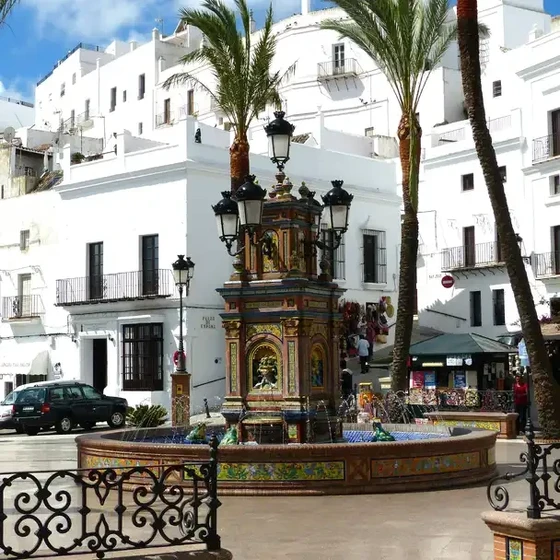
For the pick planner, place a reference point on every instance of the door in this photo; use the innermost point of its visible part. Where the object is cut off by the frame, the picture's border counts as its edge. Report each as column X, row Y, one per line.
column 80, row 408
column 555, row 127
column 100, row 407
column 338, row 58
column 469, row 248
column 99, row 365
column 150, row 265
column 556, row 250
column 23, row 304
column 95, row 270
column 167, row 111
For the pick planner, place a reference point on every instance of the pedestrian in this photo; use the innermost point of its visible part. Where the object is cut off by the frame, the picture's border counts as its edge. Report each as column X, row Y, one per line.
column 363, row 353
column 346, row 383
column 520, row 400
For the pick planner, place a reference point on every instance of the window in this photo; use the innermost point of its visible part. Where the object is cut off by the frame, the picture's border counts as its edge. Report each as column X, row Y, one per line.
column 338, row 58
column 555, row 185
column 555, row 132
column 91, row 393
column 150, row 264
column 73, row 78
column 469, row 247
column 375, row 262
column 190, row 102
column 467, row 182
column 57, row 394
column 24, row 240
column 124, row 96
column 167, row 111
column 498, row 303
column 555, row 309
column 95, row 271
column 555, row 243
column 497, row 88
column 369, row 131
column 73, row 393
column 476, row 309
column 86, row 111
column 113, row 99
column 62, row 89
column 503, row 173
column 72, row 118
column 140, row 128
column 143, row 357
column 141, row 86
column 23, row 302
column 336, row 258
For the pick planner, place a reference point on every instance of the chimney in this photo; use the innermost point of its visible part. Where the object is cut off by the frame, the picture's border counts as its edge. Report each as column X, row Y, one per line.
column 156, row 34
column 535, row 33
column 133, row 45
column 305, row 7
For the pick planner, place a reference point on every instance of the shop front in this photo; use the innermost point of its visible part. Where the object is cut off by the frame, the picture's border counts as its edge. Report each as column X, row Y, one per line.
column 21, row 364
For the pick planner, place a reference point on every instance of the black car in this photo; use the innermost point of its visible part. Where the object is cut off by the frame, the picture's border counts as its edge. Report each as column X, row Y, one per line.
column 63, row 405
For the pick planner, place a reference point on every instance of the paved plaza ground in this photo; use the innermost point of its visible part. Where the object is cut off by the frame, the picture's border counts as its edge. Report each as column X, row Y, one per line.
column 420, row 526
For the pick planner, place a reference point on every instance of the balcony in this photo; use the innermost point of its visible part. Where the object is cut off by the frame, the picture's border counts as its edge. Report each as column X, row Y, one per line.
column 481, row 255
column 22, row 307
column 124, row 286
column 348, row 68
column 546, row 147
column 546, row 264
column 166, row 119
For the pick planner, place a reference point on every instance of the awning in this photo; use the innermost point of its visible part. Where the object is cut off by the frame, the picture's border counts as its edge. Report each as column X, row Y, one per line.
column 23, row 362
column 467, row 343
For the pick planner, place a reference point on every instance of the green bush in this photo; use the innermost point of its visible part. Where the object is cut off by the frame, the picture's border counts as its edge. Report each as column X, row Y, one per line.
column 147, row 416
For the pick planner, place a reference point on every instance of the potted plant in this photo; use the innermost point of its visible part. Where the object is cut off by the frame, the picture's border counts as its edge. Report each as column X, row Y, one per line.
column 77, row 157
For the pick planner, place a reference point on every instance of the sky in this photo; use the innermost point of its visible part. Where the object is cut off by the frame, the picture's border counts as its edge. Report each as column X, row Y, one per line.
column 40, row 32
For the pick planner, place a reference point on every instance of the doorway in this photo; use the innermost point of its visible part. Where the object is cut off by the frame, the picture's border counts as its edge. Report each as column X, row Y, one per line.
column 99, row 364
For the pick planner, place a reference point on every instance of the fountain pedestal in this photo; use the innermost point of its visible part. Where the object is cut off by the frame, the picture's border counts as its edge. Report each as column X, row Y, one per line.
column 282, row 331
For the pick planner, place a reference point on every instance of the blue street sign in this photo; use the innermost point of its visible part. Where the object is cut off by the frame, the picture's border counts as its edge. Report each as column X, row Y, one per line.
column 522, row 352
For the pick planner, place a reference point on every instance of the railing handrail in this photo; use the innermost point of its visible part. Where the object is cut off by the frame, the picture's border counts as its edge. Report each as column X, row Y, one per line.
column 546, row 147
column 446, row 314
column 347, row 66
column 104, row 275
column 14, row 307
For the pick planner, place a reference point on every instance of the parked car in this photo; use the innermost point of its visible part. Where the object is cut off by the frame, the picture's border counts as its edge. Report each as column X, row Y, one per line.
column 64, row 405
column 7, row 411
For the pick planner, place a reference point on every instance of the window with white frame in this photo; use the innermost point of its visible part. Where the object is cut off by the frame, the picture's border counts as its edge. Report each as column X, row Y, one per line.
column 374, row 257
column 554, row 185
column 337, row 257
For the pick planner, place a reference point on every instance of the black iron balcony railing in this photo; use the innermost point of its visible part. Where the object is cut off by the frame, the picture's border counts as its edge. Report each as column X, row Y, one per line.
column 115, row 287
column 546, row 264
column 546, row 147
column 22, row 307
column 334, row 68
column 471, row 256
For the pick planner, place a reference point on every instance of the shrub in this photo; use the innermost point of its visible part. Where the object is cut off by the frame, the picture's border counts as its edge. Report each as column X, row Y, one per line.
column 147, row 416
column 77, row 157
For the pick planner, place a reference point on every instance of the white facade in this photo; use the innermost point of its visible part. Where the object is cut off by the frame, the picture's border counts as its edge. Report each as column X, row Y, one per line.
column 166, row 189
column 15, row 113
column 522, row 93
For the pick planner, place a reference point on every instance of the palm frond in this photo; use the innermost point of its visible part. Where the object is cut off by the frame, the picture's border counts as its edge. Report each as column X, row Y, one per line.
column 6, row 7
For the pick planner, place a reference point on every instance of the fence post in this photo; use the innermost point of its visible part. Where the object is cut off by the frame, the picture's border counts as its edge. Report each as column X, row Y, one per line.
column 533, row 510
column 213, row 540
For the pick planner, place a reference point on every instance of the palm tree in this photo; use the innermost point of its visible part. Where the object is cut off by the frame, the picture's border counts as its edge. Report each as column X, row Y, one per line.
column 244, row 85
column 406, row 39
column 547, row 392
column 5, row 9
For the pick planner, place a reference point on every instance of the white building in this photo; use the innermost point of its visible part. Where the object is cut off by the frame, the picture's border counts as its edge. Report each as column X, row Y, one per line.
column 101, row 244
column 522, row 97
column 15, row 113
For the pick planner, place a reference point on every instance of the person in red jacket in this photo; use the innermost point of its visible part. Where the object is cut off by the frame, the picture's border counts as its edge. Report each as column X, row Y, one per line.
column 520, row 400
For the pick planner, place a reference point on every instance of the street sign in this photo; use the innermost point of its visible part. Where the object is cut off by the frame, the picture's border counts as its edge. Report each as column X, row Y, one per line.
column 448, row 281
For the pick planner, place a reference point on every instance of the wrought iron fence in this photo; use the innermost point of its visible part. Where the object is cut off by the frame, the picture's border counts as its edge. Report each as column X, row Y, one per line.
column 22, row 307
column 542, row 472
column 115, row 287
column 546, row 147
column 334, row 68
column 471, row 256
column 546, row 264
column 57, row 513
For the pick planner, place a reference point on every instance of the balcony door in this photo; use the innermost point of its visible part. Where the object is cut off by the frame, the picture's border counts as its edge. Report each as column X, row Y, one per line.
column 23, row 305
column 150, row 265
column 469, row 247
column 338, row 59
column 555, row 128
column 95, row 270
column 556, row 250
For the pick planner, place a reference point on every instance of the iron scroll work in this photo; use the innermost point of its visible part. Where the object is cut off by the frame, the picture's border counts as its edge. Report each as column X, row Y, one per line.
column 91, row 512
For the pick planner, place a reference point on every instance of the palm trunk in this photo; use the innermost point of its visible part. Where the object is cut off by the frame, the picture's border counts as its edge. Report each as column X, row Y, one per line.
column 409, row 152
column 239, row 161
column 547, row 392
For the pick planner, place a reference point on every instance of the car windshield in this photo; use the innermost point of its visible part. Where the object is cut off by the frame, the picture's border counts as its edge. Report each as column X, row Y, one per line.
column 27, row 396
column 10, row 398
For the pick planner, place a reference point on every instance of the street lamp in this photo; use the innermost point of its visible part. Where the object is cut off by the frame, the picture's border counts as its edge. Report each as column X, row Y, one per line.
column 337, row 207
column 279, row 133
column 183, row 271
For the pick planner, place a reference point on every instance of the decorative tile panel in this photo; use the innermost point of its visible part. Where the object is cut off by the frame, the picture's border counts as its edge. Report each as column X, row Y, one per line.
column 281, row 472
column 492, row 456
column 264, row 328
column 415, row 466
column 556, row 550
column 493, row 426
column 291, row 366
column 319, row 328
column 318, row 304
column 233, row 366
column 263, row 304
column 514, row 549
column 117, row 463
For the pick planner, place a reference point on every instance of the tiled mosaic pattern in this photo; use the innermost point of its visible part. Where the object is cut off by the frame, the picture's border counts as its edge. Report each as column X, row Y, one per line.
column 514, row 550
column 556, row 550
column 278, row 472
column 415, row 466
column 495, row 426
column 93, row 462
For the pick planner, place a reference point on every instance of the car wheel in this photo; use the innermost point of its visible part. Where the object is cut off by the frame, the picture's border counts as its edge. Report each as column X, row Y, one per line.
column 116, row 420
column 19, row 430
column 64, row 425
column 87, row 425
column 32, row 431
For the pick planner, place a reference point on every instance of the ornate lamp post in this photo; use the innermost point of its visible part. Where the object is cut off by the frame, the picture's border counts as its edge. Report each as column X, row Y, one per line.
column 183, row 271
column 279, row 132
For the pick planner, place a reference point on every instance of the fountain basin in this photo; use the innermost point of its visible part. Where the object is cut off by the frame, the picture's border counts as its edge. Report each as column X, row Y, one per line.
column 455, row 457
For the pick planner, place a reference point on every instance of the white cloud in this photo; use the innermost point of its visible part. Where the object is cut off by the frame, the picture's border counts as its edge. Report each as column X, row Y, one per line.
column 17, row 89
